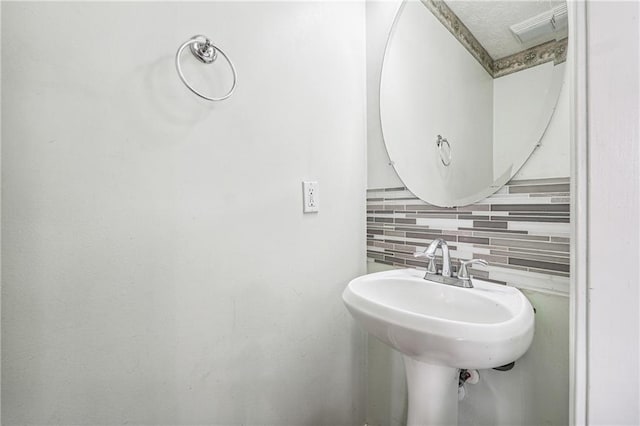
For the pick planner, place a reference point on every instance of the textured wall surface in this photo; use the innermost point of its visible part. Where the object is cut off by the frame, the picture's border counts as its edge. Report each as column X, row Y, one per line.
column 613, row 67
column 494, row 33
column 157, row 267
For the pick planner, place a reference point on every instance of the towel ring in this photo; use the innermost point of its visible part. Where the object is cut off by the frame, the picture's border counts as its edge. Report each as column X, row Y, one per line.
column 446, row 159
column 206, row 52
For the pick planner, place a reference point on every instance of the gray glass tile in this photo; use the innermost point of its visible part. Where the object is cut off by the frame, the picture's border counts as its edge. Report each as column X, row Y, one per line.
column 405, row 248
column 394, row 241
column 475, row 208
column 490, row 224
column 390, row 223
column 391, row 198
column 430, row 208
column 449, row 215
column 542, row 258
column 550, row 272
column 541, row 181
column 505, row 231
column 466, row 233
column 516, row 267
column 549, row 195
column 431, row 216
column 472, row 217
column 401, row 254
column 473, row 240
column 519, row 250
column 521, row 189
column 539, row 265
column 375, row 206
column 437, row 231
column 554, row 214
column 546, row 219
column 394, row 233
column 531, row 207
column 383, row 220
column 416, row 263
column 510, row 236
column 405, row 221
column 424, row 236
column 478, row 273
column 383, row 245
column 530, row 244
column 491, row 258
column 417, row 228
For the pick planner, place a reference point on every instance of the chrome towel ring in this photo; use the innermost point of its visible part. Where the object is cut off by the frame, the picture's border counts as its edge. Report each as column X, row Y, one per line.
column 206, row 52
column 445, row 153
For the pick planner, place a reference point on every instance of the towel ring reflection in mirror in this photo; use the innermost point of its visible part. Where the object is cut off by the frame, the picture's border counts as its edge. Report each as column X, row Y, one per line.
column 445, row 153
column 206, row 52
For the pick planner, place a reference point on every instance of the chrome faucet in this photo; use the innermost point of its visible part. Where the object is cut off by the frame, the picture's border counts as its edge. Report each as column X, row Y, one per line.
column 430, row 253
column 462, row 280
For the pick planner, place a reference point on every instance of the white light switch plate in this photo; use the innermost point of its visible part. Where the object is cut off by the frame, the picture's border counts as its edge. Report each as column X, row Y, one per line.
column 310, row 197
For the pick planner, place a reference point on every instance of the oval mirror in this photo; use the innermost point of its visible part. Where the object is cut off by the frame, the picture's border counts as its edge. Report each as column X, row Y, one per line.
column 467, row 91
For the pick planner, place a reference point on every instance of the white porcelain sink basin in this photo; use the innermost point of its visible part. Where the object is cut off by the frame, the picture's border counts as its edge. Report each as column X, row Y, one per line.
column 482, row 327
column 440, row 329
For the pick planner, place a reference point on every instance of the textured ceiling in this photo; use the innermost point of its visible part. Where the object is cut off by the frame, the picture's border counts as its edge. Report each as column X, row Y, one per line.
column 489, row 21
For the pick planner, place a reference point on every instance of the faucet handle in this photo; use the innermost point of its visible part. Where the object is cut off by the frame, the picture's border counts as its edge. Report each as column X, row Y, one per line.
column 431, row 267
column 463, row 273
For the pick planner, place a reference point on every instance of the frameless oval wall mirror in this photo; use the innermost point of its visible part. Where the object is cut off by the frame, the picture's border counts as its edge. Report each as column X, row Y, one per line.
column 467, row 91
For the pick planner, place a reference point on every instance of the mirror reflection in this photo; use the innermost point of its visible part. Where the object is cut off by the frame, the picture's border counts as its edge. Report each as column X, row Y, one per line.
column 467, row 91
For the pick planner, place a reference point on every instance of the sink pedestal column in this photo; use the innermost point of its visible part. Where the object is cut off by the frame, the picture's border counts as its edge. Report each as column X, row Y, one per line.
column 433, row 394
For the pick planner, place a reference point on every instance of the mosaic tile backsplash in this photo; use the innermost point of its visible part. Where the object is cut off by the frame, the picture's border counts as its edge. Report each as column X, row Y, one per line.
column 523, row 227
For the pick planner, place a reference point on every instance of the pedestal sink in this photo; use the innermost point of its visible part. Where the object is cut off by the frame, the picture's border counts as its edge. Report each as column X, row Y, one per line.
column 440, row 329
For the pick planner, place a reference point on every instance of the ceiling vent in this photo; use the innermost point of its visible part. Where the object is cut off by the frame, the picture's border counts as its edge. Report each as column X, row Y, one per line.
column 542, row 25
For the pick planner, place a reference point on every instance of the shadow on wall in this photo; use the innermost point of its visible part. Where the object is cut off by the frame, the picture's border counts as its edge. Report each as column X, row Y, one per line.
column 162, row 108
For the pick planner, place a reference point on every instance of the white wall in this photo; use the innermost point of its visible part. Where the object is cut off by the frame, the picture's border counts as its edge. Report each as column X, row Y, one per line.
column 522, row 113
column 157, row 267
column 613, row 230
column 553, row 157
